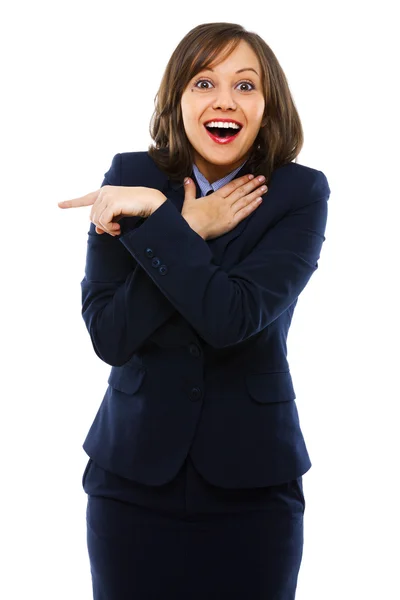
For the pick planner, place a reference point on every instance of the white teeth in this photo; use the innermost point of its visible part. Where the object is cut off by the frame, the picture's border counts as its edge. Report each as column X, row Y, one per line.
column 222, row 124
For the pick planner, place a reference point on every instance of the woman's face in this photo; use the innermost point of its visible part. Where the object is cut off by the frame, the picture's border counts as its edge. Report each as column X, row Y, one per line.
column 224, row 94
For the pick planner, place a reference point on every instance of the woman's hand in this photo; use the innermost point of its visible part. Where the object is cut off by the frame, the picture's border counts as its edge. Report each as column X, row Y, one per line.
column 111, row 203
column 214, row 215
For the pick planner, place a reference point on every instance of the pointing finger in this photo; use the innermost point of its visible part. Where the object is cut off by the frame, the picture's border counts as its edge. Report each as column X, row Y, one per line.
column 82, row 201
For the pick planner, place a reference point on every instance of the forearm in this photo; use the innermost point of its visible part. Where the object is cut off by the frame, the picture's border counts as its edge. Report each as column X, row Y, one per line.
column 226, row 309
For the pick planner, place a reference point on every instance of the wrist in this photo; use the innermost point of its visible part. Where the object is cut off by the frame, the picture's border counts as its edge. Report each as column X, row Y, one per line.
column 195, row 226
column 157, row 202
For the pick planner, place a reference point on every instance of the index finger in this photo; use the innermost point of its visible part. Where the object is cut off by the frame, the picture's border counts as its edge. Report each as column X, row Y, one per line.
column 82, row 201
column 234, row 184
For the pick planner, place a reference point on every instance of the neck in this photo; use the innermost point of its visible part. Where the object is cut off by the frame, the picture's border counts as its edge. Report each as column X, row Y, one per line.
column 215, row 172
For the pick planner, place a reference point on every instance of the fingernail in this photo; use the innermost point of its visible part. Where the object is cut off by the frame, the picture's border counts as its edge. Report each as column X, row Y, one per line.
column 251, row 176
column 186, row 181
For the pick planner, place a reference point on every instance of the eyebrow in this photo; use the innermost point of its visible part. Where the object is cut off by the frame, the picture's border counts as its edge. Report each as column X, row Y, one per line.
column 240, row 70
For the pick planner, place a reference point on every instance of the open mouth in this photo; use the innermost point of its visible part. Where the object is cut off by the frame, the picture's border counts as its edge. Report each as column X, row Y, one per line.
column 223, row 135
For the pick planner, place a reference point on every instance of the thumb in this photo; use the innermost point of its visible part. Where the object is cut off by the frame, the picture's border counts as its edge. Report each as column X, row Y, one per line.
column 190, row 189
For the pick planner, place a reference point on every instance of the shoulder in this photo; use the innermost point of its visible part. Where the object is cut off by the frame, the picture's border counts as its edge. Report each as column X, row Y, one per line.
column 302, row 182
column 135, row 169
column 136, row 166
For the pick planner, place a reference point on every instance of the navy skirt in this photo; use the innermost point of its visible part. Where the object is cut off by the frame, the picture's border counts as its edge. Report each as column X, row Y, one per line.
column 191, row 540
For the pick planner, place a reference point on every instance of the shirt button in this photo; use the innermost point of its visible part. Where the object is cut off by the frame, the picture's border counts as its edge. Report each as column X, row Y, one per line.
column 149, row 252
column 195, row 394
column 194, row 350
column 163, row 270
column 155, row 262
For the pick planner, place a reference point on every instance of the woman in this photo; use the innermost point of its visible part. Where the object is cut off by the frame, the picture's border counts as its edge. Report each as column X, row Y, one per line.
column 194, row 479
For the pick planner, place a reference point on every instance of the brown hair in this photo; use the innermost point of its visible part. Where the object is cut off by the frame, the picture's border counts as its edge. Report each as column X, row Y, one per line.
column 278, row 142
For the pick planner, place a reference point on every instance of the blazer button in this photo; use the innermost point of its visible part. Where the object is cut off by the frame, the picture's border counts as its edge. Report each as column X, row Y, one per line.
column 149, row 252
column 163, row 270
column 195, row 394
column 194, row 350
column 155, row 262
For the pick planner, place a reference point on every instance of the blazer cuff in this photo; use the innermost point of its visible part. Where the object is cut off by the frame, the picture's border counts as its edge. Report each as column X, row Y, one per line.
column 171, row 252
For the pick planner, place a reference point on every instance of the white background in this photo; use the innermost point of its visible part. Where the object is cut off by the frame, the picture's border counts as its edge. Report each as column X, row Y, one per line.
column 79, row 81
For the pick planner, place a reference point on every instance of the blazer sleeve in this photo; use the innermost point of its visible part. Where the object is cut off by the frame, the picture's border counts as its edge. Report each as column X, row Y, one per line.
column 121, row 305
column 226, row 308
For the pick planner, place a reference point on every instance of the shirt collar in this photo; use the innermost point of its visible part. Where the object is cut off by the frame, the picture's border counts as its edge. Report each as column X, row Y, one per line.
column 205, row 186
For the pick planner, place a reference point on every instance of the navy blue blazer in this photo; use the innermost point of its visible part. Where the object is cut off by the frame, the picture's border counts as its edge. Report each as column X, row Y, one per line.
column 195, row 332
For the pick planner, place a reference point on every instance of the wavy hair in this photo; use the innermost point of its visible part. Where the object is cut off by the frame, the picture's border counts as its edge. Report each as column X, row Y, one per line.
column 279, row 140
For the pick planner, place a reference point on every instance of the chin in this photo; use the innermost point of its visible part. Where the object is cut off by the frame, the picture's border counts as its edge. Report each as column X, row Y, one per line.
column 223, row 157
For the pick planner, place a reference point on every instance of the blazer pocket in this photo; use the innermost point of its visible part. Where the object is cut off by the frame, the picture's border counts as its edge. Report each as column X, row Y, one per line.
column 127, row 379
column 267, row 388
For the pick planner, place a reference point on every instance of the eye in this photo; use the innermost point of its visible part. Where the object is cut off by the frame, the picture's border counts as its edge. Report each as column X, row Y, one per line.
column 202, row 81
column 248, row 83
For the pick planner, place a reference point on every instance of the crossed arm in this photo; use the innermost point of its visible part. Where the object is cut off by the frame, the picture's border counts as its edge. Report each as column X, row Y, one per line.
column 125, row 299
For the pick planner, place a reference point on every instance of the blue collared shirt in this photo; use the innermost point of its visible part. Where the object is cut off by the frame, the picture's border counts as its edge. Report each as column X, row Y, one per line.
column 206, row 186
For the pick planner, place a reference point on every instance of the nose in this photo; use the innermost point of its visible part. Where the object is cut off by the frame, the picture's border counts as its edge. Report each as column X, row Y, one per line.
column 224, row 99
